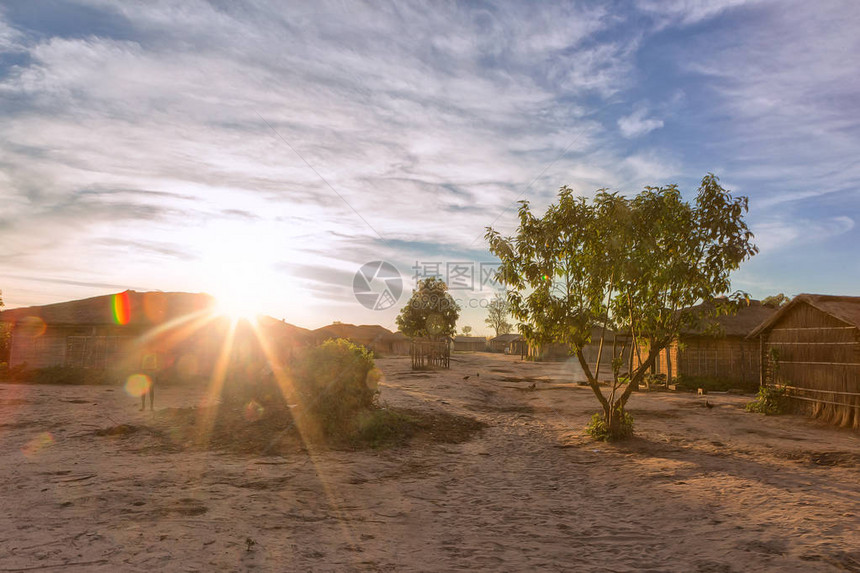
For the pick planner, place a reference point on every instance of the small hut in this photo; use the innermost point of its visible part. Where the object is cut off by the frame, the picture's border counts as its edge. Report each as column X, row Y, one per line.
column 470, row 344
column 505, row 343
column 811, row 347
column 717, row 350
column 105, row 331
column 376, row 338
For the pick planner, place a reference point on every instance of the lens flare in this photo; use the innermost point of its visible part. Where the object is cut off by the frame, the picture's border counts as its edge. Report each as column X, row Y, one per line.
column 32, row 326
column 37, row 444
column 253, row 411
column 121, row 308
column 137, row 385
column 374, row 377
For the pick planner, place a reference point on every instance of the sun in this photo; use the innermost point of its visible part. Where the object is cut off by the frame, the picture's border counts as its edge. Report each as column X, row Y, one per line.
column 238, row 265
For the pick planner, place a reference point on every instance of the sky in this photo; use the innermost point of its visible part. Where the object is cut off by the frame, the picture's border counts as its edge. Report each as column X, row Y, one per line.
column 265, row 151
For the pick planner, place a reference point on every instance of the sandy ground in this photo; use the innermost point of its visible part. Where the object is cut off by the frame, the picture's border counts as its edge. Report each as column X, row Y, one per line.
column 710, row 490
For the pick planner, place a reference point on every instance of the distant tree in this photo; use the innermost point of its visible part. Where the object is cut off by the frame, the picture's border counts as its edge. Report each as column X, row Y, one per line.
column 776, row 300
column 498, row 311
column 629, row 264
column 431, row 312
column 467, row 330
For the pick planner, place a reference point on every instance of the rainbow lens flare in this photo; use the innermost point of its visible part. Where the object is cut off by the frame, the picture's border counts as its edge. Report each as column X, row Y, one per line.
column 121, row 308
column 37, row 444
column 137, row 385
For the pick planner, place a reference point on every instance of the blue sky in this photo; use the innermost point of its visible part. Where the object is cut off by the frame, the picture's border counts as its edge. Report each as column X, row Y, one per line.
column 272, row 149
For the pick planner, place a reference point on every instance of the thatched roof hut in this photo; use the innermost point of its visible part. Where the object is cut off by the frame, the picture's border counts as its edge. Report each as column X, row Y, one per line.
column 470, row 344
column 716, row 350
column 811, row 347
column 506, row 343
column 372, row 336
column 101, row 331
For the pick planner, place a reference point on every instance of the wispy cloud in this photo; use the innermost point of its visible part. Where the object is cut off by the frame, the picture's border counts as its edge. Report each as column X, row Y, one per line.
column 777, row 234
column 637, row 124
column 146, row 126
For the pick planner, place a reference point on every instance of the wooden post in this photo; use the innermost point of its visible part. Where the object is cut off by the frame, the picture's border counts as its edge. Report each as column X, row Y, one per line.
column 668, row 364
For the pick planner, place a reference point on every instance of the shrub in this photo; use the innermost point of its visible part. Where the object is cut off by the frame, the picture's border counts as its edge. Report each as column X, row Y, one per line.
column 335, row 381
column 599, row 430
column 770, row 401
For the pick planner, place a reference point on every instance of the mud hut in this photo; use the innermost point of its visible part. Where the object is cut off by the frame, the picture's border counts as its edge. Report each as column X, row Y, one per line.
column 506, row 343
column 469, row 344
column 811, row 347
column 717, row 351
column 104, row 331
column 375, row 338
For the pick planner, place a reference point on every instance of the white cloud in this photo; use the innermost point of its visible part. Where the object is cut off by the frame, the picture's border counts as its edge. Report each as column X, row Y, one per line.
column 429, row 121
column 687, row 12
column 780, row 233
column 795, row 124
column 637, row 124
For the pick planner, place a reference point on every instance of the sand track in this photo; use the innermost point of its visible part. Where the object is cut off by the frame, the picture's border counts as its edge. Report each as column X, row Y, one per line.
column 698, row 489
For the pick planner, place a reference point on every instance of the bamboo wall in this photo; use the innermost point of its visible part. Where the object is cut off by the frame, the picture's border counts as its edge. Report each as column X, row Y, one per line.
column 74, row 346
column 817, row 357
column 732, row 359
column 430, row 354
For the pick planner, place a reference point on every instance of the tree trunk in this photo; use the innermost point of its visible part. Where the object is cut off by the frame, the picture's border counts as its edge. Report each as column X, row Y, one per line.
column 613, row 417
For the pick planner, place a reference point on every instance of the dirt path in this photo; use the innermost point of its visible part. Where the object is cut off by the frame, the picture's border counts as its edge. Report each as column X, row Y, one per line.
column 699, row 489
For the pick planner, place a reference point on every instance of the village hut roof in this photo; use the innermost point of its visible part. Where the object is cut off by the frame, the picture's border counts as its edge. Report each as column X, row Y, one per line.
column 360, row 333
column 284, row 331
column 742, row 323
column 143, row 309
column 845, row 308
column 469, row 339
column 507, row 337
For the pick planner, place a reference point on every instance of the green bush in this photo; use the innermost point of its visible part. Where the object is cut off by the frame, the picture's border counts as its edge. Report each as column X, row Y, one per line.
column 770, row 401
column 335, row 381
column 599, row 430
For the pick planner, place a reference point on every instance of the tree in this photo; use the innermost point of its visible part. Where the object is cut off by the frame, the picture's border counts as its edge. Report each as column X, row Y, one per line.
column 497, row 315
column 430, row 312
column 467, row 330
column 776, row 300
column 623, row 264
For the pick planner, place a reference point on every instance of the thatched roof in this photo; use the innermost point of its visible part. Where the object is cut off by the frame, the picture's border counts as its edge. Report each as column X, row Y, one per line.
column 844, row 308
column 741, row 324
column 284, row 331
column 361, row 333
column 506, row 337
column 144, row 309
column 480, row 339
